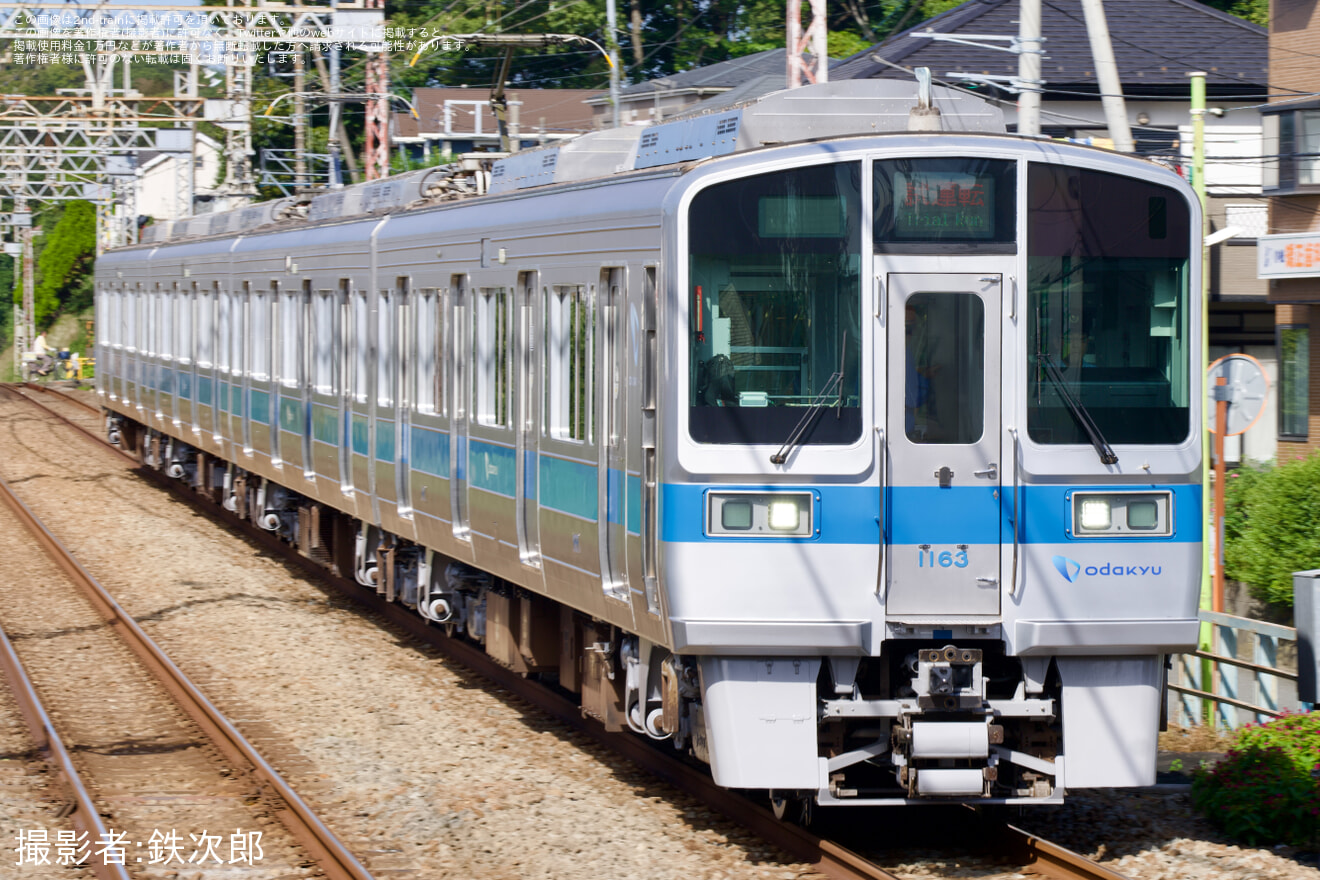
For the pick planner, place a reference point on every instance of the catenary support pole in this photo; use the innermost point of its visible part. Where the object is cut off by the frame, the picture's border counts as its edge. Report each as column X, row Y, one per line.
column 1106, row 73
column 1198, row 184
column 1029, row 39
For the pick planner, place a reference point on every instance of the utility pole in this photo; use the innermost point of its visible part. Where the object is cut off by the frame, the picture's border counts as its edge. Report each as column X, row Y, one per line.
column 377, row 158
column 1029, row 79
column 612, row 46
column 1106, row 74
column 299, row 114
column 336, row 177
column 797, row 42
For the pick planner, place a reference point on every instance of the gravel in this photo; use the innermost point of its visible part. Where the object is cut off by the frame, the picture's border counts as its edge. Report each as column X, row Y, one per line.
column 426, row 771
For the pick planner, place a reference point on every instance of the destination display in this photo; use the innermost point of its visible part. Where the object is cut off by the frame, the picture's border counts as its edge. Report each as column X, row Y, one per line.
column 934, row 205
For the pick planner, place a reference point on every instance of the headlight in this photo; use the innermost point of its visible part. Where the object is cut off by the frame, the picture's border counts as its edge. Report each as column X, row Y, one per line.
column 760, row 514
column 784, row 515
column 1148, row 514
column 1095, row 515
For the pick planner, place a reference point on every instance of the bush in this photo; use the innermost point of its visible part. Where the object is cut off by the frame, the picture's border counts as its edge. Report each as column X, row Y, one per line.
column 1270, row 527
column 1262, row 791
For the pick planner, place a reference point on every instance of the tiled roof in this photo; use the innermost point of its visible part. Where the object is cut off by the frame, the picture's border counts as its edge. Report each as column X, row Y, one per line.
column 721, row 75
column 1156, row 43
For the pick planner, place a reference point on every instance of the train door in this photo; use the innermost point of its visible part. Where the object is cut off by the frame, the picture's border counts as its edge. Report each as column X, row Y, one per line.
column 150, row 352
column 528, row 420
column 384, row 426
column 183, row 354
column 345, row 371
column 942, row 517
column 238, row 365
column 460, row 362
column 325, row 437
column 224, row 323
column 404, row 399
column 206, row 359
column 612, row 476
column 306, row 355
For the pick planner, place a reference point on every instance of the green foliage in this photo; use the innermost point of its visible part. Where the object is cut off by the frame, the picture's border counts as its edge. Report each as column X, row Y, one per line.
column 1255, row 11
column 400, row 164
column 65, row 263
column 1262, row 792
column 1271, row 527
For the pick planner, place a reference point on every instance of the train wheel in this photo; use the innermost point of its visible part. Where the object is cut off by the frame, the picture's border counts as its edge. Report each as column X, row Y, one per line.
column 790, row 807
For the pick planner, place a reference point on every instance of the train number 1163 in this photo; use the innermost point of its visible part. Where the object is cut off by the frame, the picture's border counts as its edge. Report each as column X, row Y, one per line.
column 928, row 557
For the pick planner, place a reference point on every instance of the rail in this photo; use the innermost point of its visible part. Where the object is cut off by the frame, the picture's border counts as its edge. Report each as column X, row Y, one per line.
column 1245, row 684
column 331, row 855
column 85, row 817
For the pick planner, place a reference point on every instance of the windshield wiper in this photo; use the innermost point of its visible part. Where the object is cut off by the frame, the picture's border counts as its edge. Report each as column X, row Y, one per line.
column 800, row 430
column 795, row 438
column 1102, row 447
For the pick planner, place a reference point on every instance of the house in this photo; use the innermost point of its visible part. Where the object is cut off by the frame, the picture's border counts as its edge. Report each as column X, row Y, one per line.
column 1289, row 259
column 460, row 120
column 738, row 79
column 163, row 179
column 1156, row 43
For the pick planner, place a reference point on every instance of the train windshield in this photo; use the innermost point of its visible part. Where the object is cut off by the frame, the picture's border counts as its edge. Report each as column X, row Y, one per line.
column 1107, row 308
column 775, row 307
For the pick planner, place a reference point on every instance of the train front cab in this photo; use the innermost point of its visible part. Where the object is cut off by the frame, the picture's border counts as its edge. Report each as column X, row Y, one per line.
column 932, row 519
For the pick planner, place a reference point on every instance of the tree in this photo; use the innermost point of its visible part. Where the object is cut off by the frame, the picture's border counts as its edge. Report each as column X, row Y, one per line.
column 64, row 266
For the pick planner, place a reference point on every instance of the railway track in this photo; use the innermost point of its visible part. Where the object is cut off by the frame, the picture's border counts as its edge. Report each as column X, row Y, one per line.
column 131, row 738
column 1000, row 843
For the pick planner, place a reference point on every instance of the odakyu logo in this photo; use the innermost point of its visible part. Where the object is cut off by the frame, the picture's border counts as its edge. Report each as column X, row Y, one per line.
column 1071, row 569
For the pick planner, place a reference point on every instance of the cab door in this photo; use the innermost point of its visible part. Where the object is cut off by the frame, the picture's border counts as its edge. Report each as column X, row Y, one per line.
column 942, row 516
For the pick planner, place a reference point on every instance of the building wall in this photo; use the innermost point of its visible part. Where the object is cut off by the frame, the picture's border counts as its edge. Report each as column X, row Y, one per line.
column 1294, row 45
column 158, row 185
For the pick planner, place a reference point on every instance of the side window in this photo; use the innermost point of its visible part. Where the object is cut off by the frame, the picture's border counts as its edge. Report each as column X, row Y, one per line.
column 291, row 336
column 150, row 301
column 570, row 351
column 1294, row 380
column 164, row 324
column 259, row 331
column 205, row 328
column 224, row 322
column 490, row 379
column 428, row 350
column 361, row 342
column 238, row 335
column 385, row 371
column 323, row 340
column 183, row 300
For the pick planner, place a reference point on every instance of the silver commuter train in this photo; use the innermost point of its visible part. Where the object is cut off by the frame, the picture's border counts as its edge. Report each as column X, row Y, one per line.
column 865, row 468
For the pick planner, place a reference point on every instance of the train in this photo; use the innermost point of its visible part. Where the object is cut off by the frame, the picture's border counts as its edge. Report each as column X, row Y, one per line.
column 839, row 438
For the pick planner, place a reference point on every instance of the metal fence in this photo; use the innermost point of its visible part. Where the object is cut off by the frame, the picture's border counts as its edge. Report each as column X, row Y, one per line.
column 1246, row 683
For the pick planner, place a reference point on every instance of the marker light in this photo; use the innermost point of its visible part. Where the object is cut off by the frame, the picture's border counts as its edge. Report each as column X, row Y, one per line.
column 736, row 516
column 784, row 516
column 1094, row 515
column 1143, row 515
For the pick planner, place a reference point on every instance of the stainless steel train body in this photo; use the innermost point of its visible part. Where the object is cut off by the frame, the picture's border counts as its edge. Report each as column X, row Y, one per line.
column 867, row 469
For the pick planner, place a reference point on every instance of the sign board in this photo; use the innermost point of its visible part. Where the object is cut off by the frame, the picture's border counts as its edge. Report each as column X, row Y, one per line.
column 13, row 249
column 1292, row 255
column 174, row 140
